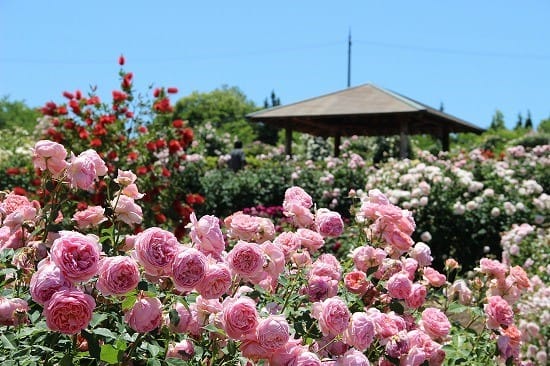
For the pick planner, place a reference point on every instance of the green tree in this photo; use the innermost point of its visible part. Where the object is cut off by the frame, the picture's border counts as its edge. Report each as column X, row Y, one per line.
column 529, row 121
column 497, row 122
column 519, row 123
column 544, row 126
column 17, row 114
column 219, row 107
column 265, row 132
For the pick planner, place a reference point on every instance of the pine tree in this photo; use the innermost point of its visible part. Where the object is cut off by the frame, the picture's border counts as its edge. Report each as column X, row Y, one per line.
column 519, row 124
column 529, row 121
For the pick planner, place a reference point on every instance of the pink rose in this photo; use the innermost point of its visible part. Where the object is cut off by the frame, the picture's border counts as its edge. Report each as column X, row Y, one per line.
column 352, row 358
column 69, row 311
column 492, row 267
column 13, row 311
column 273, row 332
column 125, row 177
column 188, row 268
column 155, row 250
column 127, row 210
column 519, row 277
column 49, row 155
column 145, row 315
column 297, row 195
column 12, row 239
column 460, row 289
column 132, row 191
column 117, row 275
column 360, row 331
column 216, row 282
column 308, row 359
column 422, row 253
column 320, row 288
column 417, row 296
column 498, row 312
column 329, row 223
column 333, row 316
column 356, row 282
column 90, row 217
column 399, row 285
column 239, row 318
column 183, row 350
column 366, row 257
column 326, row 265
column 301, row 216
column 246, row 259
column 385, row 326
column 253, row 350
column 410, row 265
column 207, row 235
column 242, row 226
column 289, row 242
column 309, row 239
column 47, row 280
column 76, row 255
column 397, row 239
column 85, row 168
column 435, row 323
column 188, row 320
column 435, row 278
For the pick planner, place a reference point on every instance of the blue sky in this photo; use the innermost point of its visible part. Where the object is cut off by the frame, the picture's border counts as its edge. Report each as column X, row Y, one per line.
column 473, row 56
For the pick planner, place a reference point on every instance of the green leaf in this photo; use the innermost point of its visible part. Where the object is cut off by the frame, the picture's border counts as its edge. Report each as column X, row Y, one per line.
column 6, row 342
column 153, row 362
column 128, row 302
column 456, row 308
column 154, row 350
column 97, row 319
column 174, row 317
column 109, row 354
column 105, row 333
column 67, row 360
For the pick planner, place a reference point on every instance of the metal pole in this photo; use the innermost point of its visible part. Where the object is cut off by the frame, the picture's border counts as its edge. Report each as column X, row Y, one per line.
column 349, row 58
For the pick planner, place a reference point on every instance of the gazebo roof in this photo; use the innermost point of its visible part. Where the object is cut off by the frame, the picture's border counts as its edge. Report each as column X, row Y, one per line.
column 362, row 110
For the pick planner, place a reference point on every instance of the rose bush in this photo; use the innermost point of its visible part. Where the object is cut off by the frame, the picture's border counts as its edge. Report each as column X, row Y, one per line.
column 243, row 290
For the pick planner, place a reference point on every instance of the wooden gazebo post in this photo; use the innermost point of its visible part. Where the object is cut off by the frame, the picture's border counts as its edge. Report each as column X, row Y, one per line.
column 288, row 141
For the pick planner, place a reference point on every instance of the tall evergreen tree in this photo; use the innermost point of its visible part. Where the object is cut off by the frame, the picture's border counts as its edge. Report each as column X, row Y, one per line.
column 519, row 123
column 529, row 121
column 497, row 122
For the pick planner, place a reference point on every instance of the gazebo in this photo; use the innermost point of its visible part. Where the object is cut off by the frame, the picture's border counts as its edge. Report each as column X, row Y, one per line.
column 364, row 110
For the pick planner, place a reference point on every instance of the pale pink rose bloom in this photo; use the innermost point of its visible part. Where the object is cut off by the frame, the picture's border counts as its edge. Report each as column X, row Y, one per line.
column 145, row 315
column 118, row 275
column 435, row 278
column 366, row 257
column 297, row 195
column 320, row 288
column 398, row 239
column 216, row 282
column 273, row 332
column 352, row 358
column 239, row 318
column 184, row 350
column 519, row 277
column 360, row 331
column 409, row 265
column 356, row 282
column 208, row 306
column 76, row 255
column 125, row 177
column 326, row 265
column 461, row 289
column 498, row 312
column 131, row 190
column 243, row 227
column 127, row 210
column 69, row 311
column 13, row 311
column 301, row 258
column 288, row 354
column 492, row 267
column 155, row 249
column 49, row 155
column 253, row 350
column 15, row 219
column 129, row 241
column 12, row 239
column 417, row 296
column 274, row 265
column 307, row 359
column 415, row 357
column 13, row 202
column 422, row 253
column 329, row 223
column 207, row 235
column 301, row 216
column 47, row 280
column 84, row 169
column 385, row 326
column 90, row 217
column 309, row 239
column 266, row 230
column 246, row 259
column 399, row 285
column 188, row 268
column 188, row 320
column 435, row 323
column 333, row 316
column 289, row 242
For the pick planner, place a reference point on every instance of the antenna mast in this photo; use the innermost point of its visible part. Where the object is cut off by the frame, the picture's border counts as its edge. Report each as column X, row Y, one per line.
column 349, row 58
